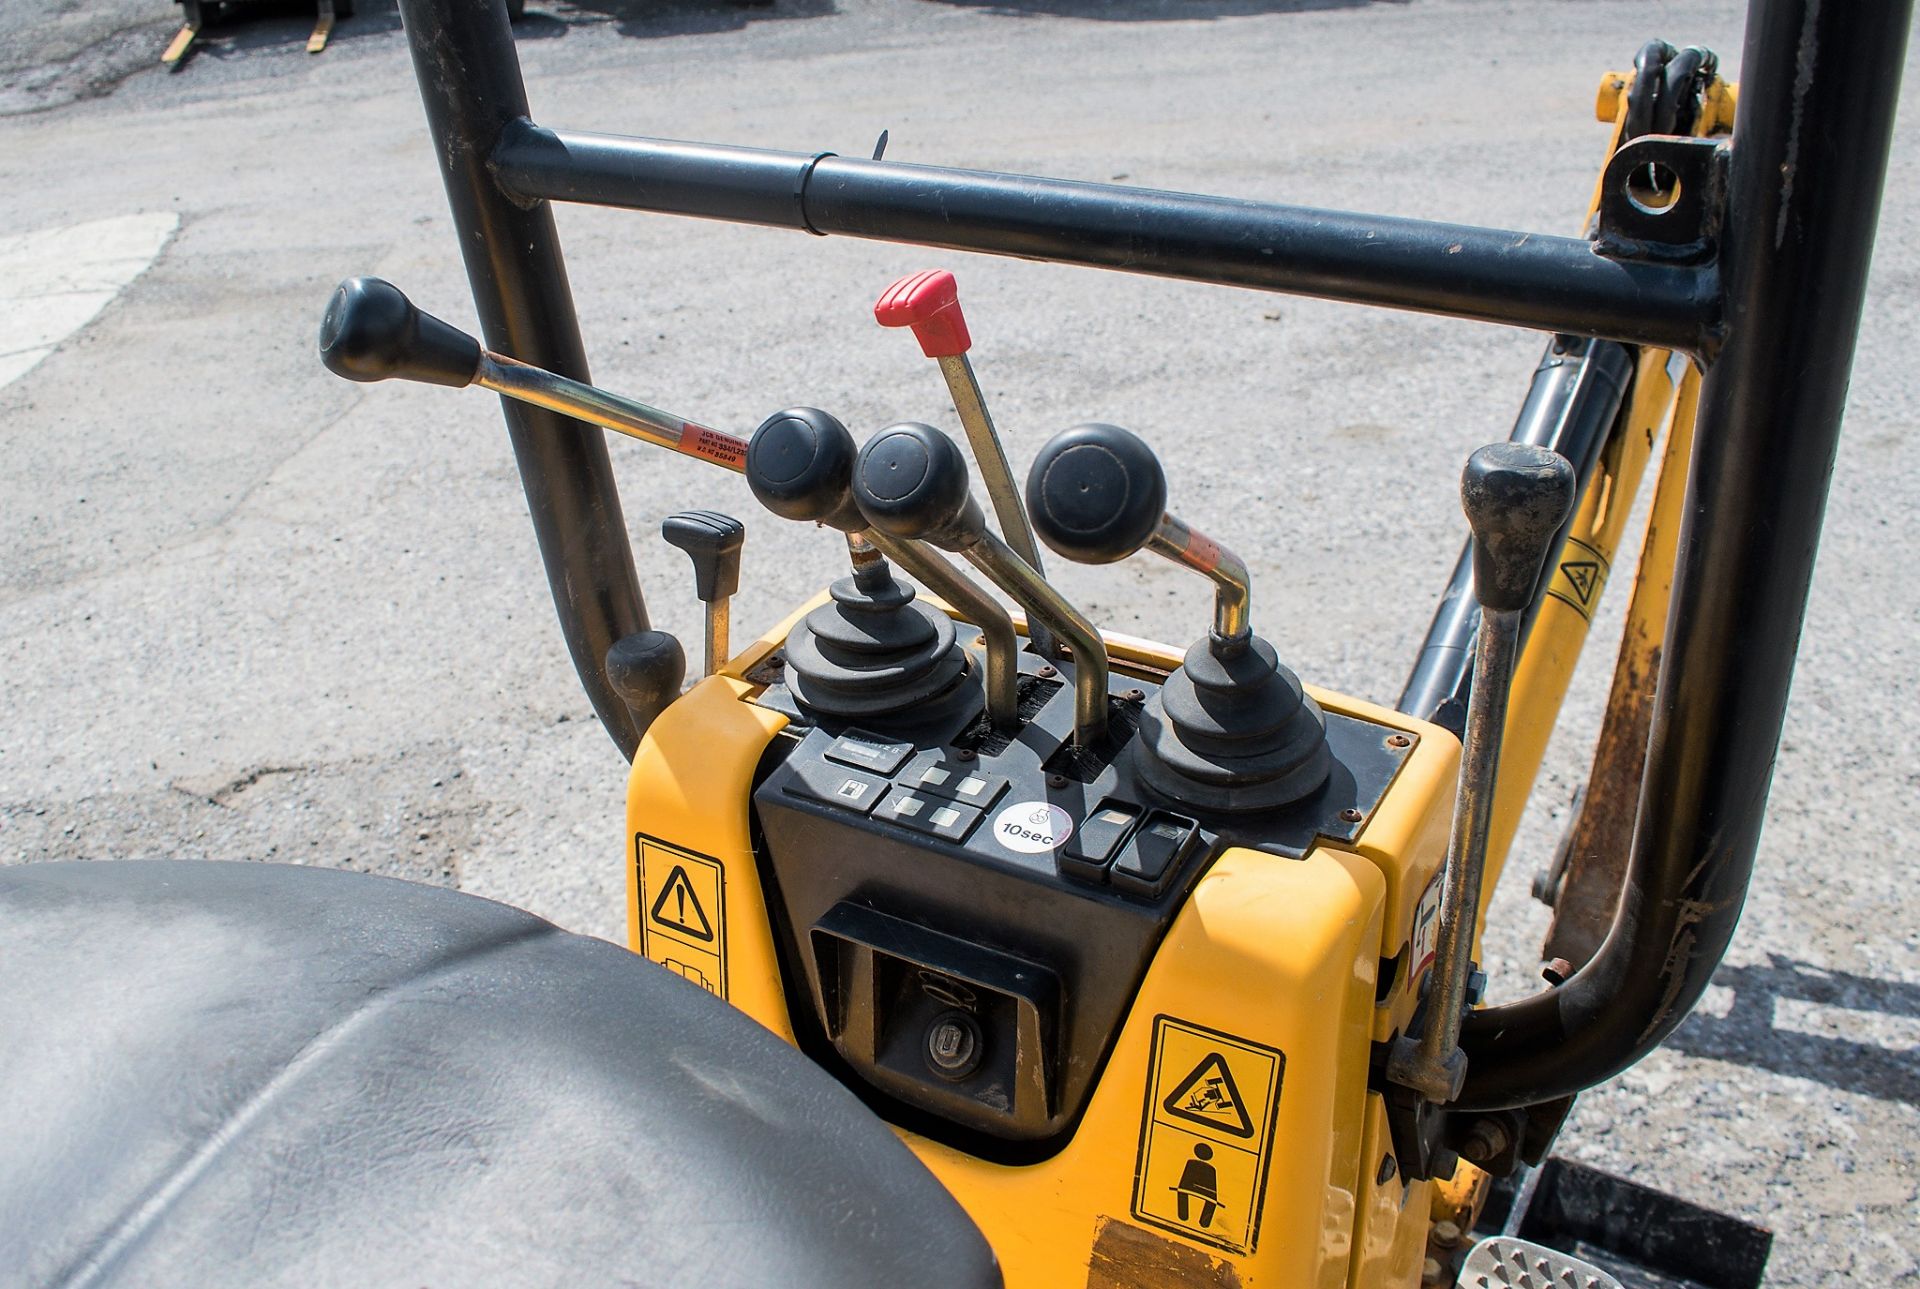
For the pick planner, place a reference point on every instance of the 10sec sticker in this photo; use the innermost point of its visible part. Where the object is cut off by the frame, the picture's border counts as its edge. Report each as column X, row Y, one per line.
column 1032, row 827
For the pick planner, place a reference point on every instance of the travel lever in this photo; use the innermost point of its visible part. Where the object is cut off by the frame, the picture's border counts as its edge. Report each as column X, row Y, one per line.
column 1516, row 496
column 910, row 481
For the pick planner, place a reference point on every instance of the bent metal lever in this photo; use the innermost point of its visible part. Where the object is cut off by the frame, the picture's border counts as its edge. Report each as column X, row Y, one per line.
column 911, row 482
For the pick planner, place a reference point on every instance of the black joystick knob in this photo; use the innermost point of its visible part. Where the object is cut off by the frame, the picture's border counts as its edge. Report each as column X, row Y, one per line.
column 1516, row 496
column 371, row 331
column 911, row 481
column 800, row 466
column 1096, row 493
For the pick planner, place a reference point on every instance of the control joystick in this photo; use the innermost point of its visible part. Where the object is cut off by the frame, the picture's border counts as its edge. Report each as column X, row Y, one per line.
column 871, row 650
column 911, row 482
column 1231, row 729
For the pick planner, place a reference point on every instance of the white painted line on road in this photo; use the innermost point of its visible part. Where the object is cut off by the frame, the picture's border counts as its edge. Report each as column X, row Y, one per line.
column 56, row 280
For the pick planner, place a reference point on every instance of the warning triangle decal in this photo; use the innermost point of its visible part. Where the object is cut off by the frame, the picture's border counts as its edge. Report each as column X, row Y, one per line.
column 1584, row 574
column 1209, row 1098
column 678, row 908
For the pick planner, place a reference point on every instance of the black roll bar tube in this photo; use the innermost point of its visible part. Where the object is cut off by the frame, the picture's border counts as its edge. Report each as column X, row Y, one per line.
column 469, row 74
column 1484, row 274
column 1819, row 86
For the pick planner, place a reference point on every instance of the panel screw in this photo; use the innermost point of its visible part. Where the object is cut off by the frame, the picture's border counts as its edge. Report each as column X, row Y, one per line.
column 953, row 1045
column 1351, row 815
column 965, row 754
column 1046, row 672
column 1056, row 780
column 1399, row 740
column 1135, row 696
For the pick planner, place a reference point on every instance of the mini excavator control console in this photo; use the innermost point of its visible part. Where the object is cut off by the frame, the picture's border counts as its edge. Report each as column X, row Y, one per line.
column 1003, row 883
column 971, row 907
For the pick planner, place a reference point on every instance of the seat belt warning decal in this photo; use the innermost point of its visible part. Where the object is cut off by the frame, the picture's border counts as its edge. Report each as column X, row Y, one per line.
column 1206, row 1134
column 683, row 922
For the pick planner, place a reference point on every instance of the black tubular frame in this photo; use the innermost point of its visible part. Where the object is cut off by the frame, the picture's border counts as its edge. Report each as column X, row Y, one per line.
column 1772, row 314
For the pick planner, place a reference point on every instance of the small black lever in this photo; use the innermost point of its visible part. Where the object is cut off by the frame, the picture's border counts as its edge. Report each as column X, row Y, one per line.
column 371, row 331
column 713, row 541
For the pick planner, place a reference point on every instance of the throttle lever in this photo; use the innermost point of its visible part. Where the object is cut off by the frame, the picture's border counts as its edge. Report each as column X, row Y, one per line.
column 929, row 303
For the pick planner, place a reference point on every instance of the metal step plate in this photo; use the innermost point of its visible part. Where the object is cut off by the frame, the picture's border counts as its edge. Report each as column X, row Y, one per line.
column 1503, row 1262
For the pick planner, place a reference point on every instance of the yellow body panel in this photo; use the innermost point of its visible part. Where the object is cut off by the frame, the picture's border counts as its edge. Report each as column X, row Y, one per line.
column 1277, row 951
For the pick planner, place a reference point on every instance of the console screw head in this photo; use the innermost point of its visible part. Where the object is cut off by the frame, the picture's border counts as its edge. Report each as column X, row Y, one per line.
column 953, row 1045
column 1350, row 815
column 1046, row 673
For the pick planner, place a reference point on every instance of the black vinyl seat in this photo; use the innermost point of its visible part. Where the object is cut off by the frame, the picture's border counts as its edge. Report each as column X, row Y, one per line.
column 252, row 1074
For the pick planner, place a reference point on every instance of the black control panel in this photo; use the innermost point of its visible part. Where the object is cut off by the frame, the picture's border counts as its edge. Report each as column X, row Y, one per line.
column 972, row 911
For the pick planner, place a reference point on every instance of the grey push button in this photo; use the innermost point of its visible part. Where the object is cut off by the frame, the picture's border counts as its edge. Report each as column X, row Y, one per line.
column 848, row 789
column 1152, row 854
column 935, row 816
column 957, row 781
column 1086, row 853
column 869, row 752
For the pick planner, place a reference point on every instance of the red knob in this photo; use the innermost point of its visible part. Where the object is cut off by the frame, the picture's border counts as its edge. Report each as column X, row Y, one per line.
column 929, row 302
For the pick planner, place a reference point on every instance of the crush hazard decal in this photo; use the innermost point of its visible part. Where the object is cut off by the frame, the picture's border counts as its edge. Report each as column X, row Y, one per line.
column 1206, row 1135
column 1580, row 577
column 683, row 912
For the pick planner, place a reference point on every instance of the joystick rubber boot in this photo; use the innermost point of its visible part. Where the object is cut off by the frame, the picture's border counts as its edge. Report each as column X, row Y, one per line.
column 873, row 650
column 1233, row 730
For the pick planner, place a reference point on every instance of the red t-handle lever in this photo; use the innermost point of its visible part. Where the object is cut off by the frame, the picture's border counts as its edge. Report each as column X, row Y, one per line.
column 929, row 302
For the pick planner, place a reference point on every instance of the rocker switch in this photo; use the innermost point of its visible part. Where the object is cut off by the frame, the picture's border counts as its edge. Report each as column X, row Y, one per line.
column 1154, row 852
column 1086, row 854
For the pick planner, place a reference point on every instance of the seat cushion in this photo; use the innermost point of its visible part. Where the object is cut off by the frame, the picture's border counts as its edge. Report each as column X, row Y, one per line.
column 259, row 1074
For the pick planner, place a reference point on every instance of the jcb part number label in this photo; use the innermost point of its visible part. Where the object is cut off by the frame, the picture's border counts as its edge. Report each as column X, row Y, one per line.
column 1206, row 1135
column 683, row 912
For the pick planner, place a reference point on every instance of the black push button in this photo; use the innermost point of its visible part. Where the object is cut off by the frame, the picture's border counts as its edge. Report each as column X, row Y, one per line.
column 869, row 752
column 1154, row 852
column 1086, row 853
column 957, row 781
column 848, row 789
column 935, row 816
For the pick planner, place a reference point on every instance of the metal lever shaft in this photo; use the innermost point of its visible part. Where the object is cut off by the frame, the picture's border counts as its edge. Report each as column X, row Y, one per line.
column 1516, row 496
column 929, row 303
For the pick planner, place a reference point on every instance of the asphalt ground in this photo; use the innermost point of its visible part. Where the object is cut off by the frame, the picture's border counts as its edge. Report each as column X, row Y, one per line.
column 249, row 610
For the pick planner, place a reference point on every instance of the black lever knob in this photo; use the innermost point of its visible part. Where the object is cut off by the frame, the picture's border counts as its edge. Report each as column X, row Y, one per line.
column 373, row 332
column 1516, row 495
column 713, row 541
column 910, row 481
column 800, row 466
column 1096, row 493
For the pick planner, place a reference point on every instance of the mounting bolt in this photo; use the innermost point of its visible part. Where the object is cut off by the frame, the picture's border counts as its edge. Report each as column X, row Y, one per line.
column 1557, row 971
column 1046, row 672
column 953, row 1045
column 1486, row 1141
column 1399, row 740
column 965, row 754
column 1056, row 780
column 1351, row 815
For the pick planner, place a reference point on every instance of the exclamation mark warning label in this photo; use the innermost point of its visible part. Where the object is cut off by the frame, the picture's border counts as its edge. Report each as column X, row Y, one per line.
column 683, row 912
